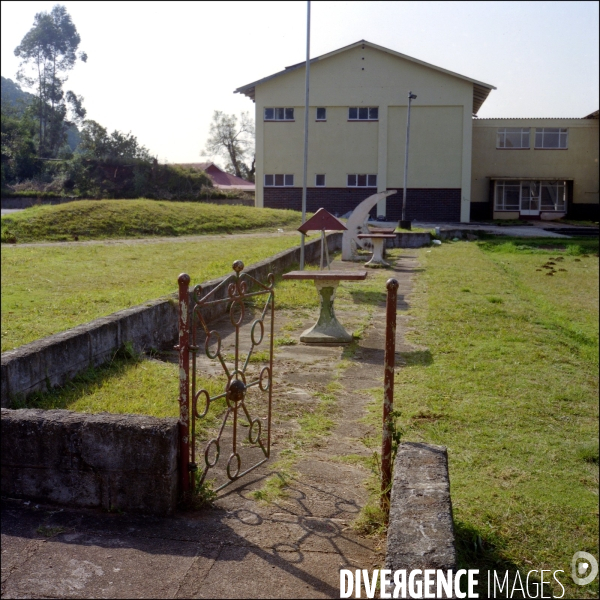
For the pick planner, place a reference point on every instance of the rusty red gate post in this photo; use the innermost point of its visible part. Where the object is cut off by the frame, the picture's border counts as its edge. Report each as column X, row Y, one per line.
column 184, row 381
column 388, row 392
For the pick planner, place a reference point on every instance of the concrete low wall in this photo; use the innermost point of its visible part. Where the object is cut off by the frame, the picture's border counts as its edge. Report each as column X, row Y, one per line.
column 412, row 239
column 28, row 201
column 115, row 462
column 421, row 531
column 52, row 361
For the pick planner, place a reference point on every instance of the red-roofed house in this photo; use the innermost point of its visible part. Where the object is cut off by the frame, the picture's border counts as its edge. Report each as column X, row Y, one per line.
column 220, row 179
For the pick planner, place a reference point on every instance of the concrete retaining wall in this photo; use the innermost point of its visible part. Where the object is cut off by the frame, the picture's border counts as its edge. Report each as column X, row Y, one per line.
column 28, row 201
column 114, row 462
column 412, row 240
column 421, row 531
column 52, row 361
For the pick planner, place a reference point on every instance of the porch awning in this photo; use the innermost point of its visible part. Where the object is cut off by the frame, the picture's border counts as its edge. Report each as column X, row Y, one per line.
column 539, row 178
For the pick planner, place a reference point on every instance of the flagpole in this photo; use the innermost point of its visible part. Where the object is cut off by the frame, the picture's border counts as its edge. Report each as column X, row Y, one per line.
column 306, row 116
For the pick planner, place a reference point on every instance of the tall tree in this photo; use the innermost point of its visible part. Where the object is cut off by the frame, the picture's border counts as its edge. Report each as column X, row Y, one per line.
column 96, row 143
column 234, row 140
column 47, row 52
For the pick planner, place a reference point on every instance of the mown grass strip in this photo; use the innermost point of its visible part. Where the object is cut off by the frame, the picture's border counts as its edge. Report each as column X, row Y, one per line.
column 49, row 289
column 505, row 375
column 110, row 219
column 127, row 384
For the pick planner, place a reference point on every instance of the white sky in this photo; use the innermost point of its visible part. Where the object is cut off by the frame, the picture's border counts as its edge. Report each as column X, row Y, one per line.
column 160, row 69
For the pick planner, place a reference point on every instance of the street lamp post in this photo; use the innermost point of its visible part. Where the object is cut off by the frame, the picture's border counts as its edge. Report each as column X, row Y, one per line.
column 404, row 224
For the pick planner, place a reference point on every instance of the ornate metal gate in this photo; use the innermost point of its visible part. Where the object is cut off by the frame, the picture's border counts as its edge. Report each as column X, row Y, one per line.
column 239, row 293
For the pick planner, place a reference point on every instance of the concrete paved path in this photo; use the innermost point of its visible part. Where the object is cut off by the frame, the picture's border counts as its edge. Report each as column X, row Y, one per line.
column 292, row 547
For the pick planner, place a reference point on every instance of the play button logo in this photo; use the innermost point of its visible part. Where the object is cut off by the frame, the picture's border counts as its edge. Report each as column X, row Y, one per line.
column 584, row 568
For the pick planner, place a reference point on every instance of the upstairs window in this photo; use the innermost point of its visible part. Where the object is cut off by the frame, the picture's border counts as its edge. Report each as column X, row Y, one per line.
column 320, row 180
column 279, row 114
column 321, row 114
column 362, row 181
column 513, row 137
column 363, row 113
column 551, row 137
column 279, row 180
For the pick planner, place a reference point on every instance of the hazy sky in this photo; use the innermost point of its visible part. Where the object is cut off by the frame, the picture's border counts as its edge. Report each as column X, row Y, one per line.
column 160, row 69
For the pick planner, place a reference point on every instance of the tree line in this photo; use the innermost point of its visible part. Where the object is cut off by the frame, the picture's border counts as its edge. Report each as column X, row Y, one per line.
column 48, row 144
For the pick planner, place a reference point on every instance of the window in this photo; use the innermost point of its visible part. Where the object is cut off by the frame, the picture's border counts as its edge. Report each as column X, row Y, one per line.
column 508, row 195
column 279, row 114
column 321, row 114
column 320, row 180
column 512, row 137
column 363, row 113
column 362, row 180
column 529, row 197
column 554, row 195
column 551, row 137
column 279, row 180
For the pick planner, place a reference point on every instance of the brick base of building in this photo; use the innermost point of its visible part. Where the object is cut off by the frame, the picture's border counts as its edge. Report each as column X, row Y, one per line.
column 439, row 205
column 584, row 212
column 481, row 211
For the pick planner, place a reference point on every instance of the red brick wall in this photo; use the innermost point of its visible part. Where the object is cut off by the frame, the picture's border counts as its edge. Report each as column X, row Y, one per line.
column 440, row 205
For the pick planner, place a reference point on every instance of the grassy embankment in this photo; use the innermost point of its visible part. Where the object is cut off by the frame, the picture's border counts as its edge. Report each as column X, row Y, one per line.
column 112, row 219
column 50, row 289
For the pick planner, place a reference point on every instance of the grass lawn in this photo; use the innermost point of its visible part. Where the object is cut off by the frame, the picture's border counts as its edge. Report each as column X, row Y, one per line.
column 106, row 219
column 507, row 378
column 49, row 289
column 504, row 373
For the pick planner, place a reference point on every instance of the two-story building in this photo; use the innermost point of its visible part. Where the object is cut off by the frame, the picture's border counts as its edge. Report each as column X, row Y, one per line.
column 459, row 167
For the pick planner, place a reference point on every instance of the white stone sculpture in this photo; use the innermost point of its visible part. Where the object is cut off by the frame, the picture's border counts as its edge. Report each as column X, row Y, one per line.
column 357, row 223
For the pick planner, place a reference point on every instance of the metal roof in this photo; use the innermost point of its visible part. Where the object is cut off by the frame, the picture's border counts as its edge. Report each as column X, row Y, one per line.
column 480, row 90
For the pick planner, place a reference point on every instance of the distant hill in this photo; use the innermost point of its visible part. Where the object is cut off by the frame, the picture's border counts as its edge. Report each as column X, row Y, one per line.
column 13, row 95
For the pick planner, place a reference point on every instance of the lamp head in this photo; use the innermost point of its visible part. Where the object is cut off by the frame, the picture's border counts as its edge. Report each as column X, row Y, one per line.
column 411, row 96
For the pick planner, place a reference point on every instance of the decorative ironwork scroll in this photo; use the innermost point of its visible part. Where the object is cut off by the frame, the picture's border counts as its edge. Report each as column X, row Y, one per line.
column 235, row 295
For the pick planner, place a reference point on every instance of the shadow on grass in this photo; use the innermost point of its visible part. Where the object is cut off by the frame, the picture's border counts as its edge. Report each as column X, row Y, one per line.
column 515, row 245
column 374, row 298
column 478, row 550
column 416, row 358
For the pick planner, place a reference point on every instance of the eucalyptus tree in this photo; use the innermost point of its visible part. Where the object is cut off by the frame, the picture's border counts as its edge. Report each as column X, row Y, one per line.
column 47, row 52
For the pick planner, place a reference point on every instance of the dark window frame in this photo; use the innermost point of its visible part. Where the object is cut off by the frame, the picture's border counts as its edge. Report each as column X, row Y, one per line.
column 362, row 180
column 279, row 114
column 363, row 113
column 283, row 178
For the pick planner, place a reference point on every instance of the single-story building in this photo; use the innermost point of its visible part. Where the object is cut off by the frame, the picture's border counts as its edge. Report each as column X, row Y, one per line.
column 460, row 167
column 220, row 179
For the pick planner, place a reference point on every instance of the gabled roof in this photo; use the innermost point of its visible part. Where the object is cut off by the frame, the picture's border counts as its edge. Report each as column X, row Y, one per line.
column 220, row 178
column 480, row 90
column 593, row 115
